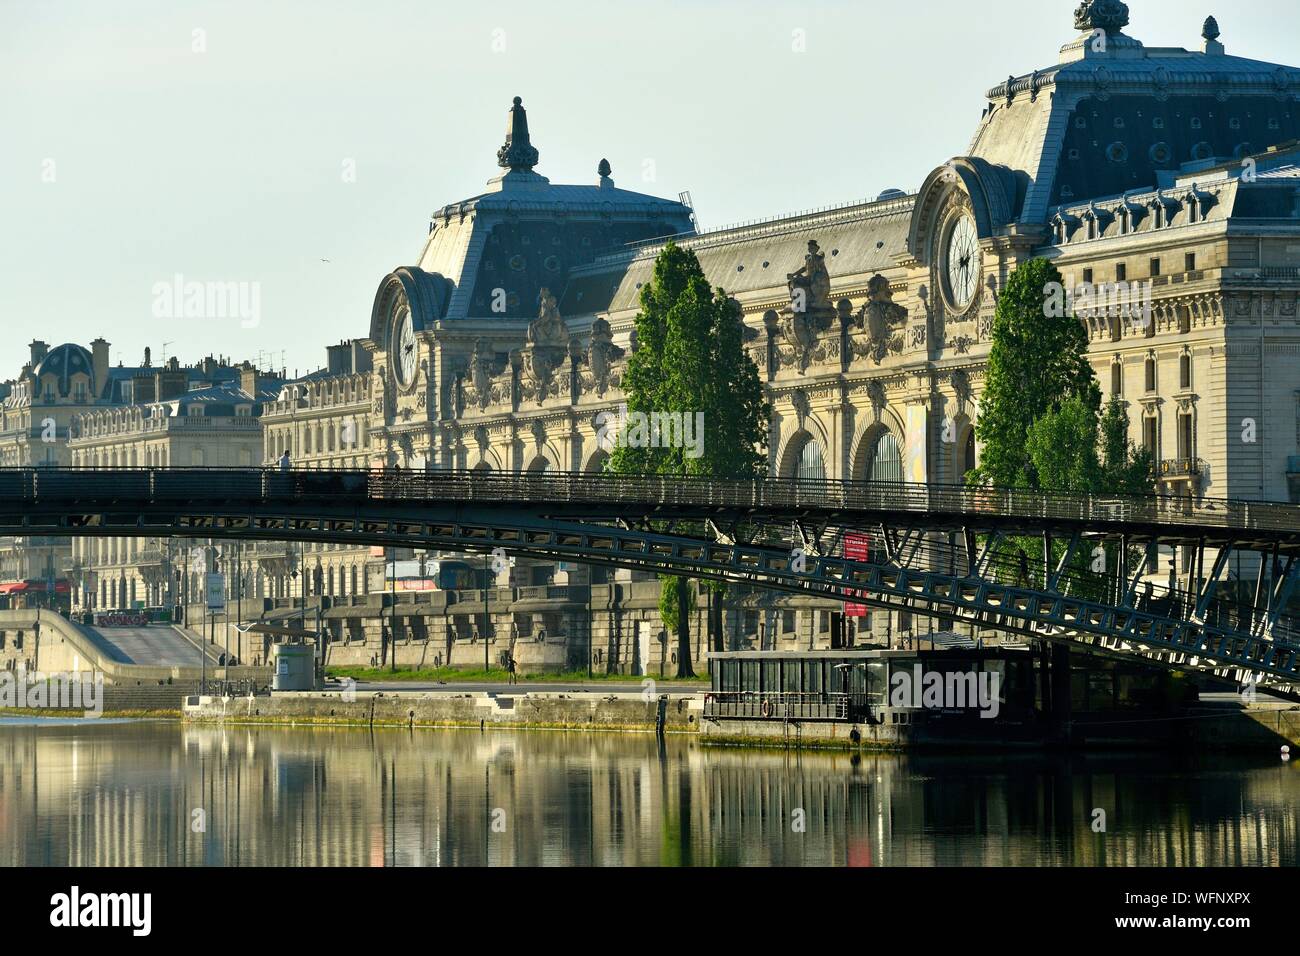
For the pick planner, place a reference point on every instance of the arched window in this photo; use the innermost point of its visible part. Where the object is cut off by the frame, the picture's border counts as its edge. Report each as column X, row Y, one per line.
column 968, row 454
column 886, row 462
column 811, row 466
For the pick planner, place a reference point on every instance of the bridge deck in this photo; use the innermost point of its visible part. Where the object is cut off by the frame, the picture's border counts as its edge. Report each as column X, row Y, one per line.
column 34, row 498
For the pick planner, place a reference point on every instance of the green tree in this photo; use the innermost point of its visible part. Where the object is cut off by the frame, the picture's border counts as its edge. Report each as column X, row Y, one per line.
column 1037, row 360
column 1041, row 422
column 1126, row 469
column 1062, row 447
column 690, row 360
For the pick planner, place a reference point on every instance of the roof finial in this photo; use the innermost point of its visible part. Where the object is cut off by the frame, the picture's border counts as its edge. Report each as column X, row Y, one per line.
column 1108, row 15
column 604, row 169
column 518, row 152
column 1210, row 33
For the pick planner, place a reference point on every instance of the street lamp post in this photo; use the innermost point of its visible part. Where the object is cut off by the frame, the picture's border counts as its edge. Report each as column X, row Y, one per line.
column 486, row 619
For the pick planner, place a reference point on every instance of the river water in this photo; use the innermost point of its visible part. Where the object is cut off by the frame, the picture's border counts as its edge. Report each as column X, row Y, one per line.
column 159, row 793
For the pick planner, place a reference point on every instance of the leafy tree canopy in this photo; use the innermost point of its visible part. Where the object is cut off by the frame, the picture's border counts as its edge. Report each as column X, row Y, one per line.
column 690, row 360
column 1036, row 362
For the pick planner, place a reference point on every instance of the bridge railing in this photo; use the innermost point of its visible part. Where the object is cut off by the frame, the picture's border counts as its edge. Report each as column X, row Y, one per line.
column 162, row 485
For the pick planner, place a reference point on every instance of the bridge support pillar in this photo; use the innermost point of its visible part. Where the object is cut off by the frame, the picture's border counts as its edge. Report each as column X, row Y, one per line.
column 1054, row 686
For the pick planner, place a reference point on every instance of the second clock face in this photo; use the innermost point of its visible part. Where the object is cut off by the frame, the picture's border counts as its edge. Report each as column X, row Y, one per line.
column 406, row 352
column 963, row 263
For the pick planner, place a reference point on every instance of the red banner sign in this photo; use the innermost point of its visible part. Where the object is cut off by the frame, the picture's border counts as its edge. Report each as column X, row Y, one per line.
column 857, row 547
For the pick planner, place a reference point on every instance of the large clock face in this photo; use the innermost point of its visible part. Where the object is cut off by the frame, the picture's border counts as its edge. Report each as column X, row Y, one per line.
column 405, row 351
column 963, row 263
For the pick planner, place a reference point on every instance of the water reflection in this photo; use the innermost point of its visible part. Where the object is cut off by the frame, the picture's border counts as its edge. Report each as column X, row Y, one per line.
column 126, row 794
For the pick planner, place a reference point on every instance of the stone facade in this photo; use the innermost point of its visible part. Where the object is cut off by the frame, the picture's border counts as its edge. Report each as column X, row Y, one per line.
column 202, row 418
column 69, row 407
column 322, row 421
column 1163, row 175
column 1163, row 181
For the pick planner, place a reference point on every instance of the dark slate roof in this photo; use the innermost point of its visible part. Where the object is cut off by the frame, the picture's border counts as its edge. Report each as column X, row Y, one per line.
column 524, row 234
column 858, row 240
column 63, row 362
column 1101, row 123
column 217, row 401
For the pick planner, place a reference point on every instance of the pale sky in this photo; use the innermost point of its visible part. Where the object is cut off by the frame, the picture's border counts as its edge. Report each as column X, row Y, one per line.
column 227, row 164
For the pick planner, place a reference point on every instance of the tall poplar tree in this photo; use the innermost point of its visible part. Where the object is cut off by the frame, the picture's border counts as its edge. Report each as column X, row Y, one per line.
column 1041, row 422
column 1037, row 361
column 690, row 358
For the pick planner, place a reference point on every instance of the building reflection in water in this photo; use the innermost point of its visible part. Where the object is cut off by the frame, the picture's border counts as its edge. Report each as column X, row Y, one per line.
column 126, row 794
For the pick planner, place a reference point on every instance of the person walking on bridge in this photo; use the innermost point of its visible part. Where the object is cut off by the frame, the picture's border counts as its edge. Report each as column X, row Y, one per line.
column 284, row 461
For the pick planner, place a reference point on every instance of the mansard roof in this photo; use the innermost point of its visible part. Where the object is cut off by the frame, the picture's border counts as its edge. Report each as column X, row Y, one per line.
column 859, row 239
column 1265, row 189
column 62, row 363
column 491, row 255
column 1113, row 113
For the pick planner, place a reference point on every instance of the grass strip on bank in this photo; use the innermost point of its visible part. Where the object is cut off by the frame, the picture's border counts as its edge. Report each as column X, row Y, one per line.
column 453, row 675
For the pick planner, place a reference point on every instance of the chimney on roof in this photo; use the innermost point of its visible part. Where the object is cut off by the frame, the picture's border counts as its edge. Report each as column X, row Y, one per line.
column 339, row 359
column 99, row 362
column 250, row 379
column 39, row 351
column 171, row 382
column 144, row 388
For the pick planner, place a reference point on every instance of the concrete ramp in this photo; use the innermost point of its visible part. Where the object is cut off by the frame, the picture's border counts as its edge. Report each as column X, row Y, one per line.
column 156, row 646
column 124, row 655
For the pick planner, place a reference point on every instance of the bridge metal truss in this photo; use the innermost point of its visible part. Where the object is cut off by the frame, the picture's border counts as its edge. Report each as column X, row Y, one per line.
column 764, row 533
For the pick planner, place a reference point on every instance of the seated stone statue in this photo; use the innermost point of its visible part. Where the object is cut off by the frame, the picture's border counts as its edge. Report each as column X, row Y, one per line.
column 548, row 329
column 810, row 285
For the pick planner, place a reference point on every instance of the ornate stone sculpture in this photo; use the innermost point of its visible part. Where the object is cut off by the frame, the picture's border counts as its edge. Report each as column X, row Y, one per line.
column 548, row 329
column 809, row 313
column 547, row 348
column 876, row 395
column 478, row 387
column 882, row 319
column 800, row 337
column 518, row 151
column 961, row 385
column 810, row 285
column 1108, row 15
column 602, row 356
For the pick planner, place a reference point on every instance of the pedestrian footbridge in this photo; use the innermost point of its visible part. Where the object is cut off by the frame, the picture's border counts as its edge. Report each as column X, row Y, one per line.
column 992, row 558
